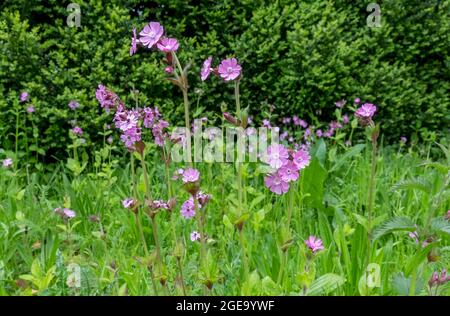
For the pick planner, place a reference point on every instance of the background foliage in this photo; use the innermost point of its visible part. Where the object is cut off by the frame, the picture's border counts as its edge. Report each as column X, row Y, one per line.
column 300, row 56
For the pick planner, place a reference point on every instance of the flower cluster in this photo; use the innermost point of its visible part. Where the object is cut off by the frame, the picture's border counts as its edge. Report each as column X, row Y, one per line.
column 228, row 69
column 130, row 122
column 439, row 279
column 190, row 179
column 286, row 164
column 107, row 99
column 161, row 205
column 152, row 36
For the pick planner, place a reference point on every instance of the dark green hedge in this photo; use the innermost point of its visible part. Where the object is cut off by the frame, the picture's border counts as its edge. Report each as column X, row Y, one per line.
column 300, row 56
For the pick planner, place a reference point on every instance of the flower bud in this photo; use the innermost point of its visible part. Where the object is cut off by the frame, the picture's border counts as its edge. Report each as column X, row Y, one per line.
column 228, row 117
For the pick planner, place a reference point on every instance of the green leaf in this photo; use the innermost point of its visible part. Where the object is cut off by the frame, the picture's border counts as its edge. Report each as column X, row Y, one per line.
column 269, row 287
column 440, row 225
column 417, row 259
column 227, row 222
column 319, row 151
column 313, row 182
column 20, row 194
column 326, row 284
column 413, row 184
column 401, row 223
column 256, row 201
column 350, row 153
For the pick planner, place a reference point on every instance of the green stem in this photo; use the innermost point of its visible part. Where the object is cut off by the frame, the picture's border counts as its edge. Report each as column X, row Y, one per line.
column 153, row 220
column 141, row 233
column 200, row 221
column 435, row 203
column 17, row 131
column 239, row 163
column 370, row 203
column 290, row 207
column 152, row 276
column 244, row 253
column 180, row 267
column 184, row 88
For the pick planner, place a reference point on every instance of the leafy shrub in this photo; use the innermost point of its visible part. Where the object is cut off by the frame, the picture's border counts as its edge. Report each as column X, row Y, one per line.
column 299, row 56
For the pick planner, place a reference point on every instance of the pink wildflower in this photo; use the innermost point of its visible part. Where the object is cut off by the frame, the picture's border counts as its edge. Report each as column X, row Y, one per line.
column 168, row 45
column 206, row 69
column 195, row 236
column 190, row 175
column 151, row 34
column 276, row 184
column 301, row 158
column 289, row 172
column 314, row 244
column 229, row 69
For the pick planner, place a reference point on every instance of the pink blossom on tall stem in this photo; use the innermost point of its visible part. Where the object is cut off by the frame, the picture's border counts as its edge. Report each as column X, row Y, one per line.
column 203, row 198
column 24, row 96
column 229, row 69
column 190, row 175
column 301, row 158
column 30, row 109
column 151, row 34
column 194, row 236
column 289, row 172
column 168, row 45
column 151, row 115
column 314, row 244
column 7, row 163
column 188, row 208
column 128, row 203
column 130, row 137
column 106, row 98
column 134, row 41
column 277, row 155
column 206, row 69
column 366, row 111
column 276, row 184
column 126, row 120
column 158, row 132
column 357, row 101
column 77, row 130
column 65, row 213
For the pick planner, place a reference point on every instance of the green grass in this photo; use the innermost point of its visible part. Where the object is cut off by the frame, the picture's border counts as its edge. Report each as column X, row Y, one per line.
column 329, row 202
